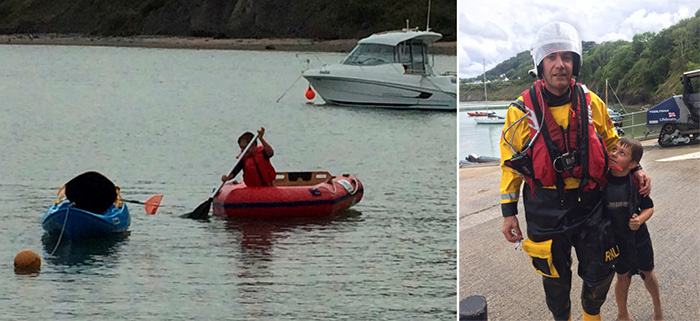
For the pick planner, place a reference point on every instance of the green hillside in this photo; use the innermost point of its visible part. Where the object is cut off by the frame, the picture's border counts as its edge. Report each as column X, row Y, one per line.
column 314, row 19
column 643, row 71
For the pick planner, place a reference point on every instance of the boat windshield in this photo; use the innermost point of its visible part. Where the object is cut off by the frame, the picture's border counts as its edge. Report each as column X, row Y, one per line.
column 412, row 54
column 370, row 54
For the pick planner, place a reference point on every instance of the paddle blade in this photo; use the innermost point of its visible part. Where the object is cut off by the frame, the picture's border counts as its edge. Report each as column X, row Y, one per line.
column 201, row 212
column 152, row 203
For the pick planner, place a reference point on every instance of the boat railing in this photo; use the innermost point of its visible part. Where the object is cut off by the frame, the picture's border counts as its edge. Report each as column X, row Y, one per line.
column 637, row 126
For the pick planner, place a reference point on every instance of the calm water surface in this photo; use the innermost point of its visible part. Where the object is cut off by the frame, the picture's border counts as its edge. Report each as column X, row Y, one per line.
column 479, row 139
column 483, row 139
column 165, row 121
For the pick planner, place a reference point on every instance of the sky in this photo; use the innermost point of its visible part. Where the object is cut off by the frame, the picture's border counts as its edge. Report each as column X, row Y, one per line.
column 496, row 30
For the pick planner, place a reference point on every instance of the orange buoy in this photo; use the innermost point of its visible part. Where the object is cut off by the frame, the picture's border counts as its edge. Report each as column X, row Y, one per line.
column 27, row 262
column 309, row 93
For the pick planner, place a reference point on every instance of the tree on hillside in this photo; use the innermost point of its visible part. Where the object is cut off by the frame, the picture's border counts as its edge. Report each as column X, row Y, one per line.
column 645, row 70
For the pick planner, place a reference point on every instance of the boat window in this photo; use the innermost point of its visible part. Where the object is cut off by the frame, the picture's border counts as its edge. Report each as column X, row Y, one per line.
column 414, row 56
column 404, row 52
column 418, row 57
column 370, row 54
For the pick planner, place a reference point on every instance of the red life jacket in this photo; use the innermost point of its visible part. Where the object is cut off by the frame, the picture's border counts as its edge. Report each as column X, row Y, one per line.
column 558, row 153
column 257, row 170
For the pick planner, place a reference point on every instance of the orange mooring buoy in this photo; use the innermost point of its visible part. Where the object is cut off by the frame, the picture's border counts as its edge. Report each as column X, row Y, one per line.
column 309, row 93
column 27, row 262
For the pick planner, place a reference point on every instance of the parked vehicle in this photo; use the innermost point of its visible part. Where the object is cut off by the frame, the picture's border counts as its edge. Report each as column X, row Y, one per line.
column 678, row 118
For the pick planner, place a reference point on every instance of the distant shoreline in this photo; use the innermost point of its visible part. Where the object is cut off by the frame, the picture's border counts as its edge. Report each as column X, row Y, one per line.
column 290, row 44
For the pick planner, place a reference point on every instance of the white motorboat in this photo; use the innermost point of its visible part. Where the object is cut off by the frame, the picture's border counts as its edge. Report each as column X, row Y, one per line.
column 490, row 119
column 387, row 70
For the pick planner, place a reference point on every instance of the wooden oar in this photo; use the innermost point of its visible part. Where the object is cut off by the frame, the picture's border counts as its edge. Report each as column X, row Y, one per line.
column 202, row 211
column 151, row 204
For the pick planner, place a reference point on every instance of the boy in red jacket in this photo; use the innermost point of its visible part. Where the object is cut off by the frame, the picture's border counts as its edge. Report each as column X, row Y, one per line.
column 257, row 169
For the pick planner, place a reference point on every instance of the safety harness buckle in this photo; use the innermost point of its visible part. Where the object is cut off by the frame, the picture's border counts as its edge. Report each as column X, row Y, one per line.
column 566, row 161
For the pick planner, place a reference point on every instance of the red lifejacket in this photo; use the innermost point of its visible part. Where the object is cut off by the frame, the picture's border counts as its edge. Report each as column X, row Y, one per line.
column 558, row 153
column 257, row 170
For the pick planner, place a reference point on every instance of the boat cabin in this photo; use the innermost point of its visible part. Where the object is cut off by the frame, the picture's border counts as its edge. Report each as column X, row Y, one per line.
column 409, row 48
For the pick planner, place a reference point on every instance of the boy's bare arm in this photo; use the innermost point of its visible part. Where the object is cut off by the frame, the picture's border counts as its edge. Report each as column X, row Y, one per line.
column 267, row 148
column 637, row 220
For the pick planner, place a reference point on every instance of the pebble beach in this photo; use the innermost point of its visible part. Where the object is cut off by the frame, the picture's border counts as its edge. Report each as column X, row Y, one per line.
column 296, row 44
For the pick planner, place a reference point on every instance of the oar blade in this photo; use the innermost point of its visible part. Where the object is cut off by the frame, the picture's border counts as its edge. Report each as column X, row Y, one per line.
column 201, row 212
column 152, row 203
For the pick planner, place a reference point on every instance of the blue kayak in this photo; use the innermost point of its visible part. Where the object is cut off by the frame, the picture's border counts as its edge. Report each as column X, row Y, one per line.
column 85, row 224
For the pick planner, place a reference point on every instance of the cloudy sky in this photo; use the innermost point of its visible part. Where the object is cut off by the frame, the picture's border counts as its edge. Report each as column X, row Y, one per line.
column 496, row 30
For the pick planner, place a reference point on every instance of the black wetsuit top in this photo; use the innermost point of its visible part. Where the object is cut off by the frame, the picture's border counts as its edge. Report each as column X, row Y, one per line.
column 621, row 200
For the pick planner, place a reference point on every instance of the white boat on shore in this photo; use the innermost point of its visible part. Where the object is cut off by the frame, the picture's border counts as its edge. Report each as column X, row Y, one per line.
column 387, row 70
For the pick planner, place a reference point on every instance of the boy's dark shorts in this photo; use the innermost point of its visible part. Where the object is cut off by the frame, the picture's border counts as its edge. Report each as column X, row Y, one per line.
column 645, row 253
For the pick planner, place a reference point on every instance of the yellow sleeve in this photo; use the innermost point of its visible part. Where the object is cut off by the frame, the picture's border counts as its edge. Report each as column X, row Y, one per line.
column 602, row 122
column 517, row 135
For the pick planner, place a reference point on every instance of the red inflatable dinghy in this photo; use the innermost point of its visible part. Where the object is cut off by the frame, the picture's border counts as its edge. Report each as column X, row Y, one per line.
column 294, row 194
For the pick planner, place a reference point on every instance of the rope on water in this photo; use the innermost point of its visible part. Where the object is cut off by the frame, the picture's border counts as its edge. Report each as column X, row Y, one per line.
column 65, row 220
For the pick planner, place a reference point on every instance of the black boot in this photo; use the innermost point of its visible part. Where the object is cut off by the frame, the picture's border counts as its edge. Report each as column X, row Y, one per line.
column 593, row 295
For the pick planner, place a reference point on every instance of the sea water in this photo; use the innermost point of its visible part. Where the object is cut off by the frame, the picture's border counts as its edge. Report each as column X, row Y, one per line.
column 484, row 139
column 479, row 139
column 166, row 121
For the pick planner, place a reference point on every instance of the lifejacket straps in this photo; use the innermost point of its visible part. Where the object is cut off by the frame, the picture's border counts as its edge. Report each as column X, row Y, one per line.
column 260, row 173
column 257, row 169
column 566, row 161
column 581, row 128
column 631, row 235
column 551, row 132
column 554, row 153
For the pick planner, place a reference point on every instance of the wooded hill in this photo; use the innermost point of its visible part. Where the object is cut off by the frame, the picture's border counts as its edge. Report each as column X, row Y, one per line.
column 644, row 71
column 313, row 19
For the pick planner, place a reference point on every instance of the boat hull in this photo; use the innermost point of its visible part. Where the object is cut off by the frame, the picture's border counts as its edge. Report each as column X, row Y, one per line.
column 384, row 87
column 81, row 224
column 322, row 199
column 480, row 114
column 491, row 121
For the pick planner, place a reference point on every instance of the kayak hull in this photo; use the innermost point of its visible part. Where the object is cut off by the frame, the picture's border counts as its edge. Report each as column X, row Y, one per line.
column 74, row 223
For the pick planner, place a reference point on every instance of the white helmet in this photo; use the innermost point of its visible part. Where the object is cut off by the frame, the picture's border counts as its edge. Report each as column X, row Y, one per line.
column 556, row 37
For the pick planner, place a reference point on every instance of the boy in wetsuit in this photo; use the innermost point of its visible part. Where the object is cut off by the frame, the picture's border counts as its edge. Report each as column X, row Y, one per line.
column 629, row 211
